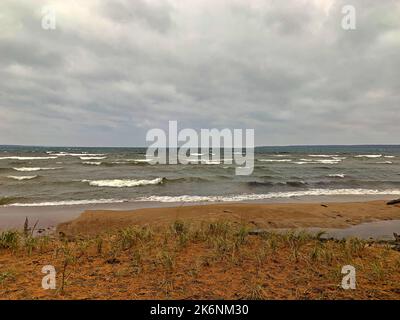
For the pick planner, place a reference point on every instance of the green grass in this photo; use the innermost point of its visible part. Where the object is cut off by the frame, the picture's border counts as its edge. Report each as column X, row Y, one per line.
column 6, row 275
column 9, row 239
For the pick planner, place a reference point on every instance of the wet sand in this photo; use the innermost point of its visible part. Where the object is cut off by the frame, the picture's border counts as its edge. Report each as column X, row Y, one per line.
column 51, row 216
column 287, row 215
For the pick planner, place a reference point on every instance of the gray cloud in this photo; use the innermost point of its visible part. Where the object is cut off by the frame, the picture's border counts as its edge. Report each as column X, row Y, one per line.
column 114, row 69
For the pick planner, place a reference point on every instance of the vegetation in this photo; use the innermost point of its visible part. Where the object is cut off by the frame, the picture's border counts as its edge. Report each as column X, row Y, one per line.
column 208, row 260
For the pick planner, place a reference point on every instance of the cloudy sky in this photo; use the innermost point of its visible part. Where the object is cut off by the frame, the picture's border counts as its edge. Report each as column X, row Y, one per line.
column 111, row 70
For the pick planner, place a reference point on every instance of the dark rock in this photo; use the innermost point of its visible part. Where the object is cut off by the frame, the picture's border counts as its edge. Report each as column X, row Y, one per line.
column 393, row 202
column 257, row 232
column 113, row 261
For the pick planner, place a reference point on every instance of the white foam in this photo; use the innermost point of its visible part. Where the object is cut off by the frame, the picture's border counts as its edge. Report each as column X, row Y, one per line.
column 321, row 155
column 123, row 183
column 384, row 162
column 92, row 163
column 20, row 178
column 318, row 161
column 330, row 161
column 368, row 156
column 65, row 203
column 391, row 157
column 92, row 158
column 337, row 175
column 23, row 169
column 64, row 154
column 211, row 162
column 126, row 161
column 138, row 160
column 27, row 158
column 275, row 160
column 273, row 195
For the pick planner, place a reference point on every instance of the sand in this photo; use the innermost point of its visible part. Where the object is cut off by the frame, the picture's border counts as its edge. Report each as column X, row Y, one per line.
column 289, row 215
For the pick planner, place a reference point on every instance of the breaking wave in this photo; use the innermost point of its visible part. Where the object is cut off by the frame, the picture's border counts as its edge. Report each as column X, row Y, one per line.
column 92, row 158
column 23, row 169
column 64, row 154
column 368, row 156
column 337, row 175
column 272, row 195
column 123, row 183
column 20, row 178
column 92, row 163
column 275, row 160
column 27, row 158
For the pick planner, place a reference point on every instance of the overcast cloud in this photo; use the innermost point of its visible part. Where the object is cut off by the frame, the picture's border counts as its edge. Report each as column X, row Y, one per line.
column 114, row 69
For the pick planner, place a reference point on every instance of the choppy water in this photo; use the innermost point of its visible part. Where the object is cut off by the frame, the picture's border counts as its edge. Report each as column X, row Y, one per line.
column 32, row 176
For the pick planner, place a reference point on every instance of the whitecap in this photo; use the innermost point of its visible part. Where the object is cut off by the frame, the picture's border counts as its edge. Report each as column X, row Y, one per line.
column 64, row 154
column 123, row 183
column 23, row 169
column 92, row 158
column 275, row 160
column 20, row 178
column 272, row 195
column 27, row 158
column 321, row 155
column 92, row 163
column 138, row 160
column 330, row 161
column 318, row 161
column 211, row 162
column 368, row 156
column 337, row 175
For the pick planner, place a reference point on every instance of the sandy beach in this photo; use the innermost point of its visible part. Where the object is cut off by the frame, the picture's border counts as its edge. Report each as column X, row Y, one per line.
column 206, row 252
column 276, row 215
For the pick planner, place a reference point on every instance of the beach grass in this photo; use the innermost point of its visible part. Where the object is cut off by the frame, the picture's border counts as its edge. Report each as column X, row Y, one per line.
column 207, row 260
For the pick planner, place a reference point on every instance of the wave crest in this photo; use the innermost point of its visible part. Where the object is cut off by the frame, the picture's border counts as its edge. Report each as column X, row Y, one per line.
column 272, row 195
column 123, row 183
column 23, row 169
column 20, row 178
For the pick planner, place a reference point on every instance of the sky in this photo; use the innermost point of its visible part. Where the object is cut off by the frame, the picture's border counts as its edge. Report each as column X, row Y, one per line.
column 112, row 70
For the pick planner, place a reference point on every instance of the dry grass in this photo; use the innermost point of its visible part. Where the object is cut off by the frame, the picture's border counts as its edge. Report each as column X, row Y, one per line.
column 202, row 261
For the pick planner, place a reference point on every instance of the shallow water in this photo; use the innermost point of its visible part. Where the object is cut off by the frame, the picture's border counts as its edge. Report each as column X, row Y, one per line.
column 378, row 230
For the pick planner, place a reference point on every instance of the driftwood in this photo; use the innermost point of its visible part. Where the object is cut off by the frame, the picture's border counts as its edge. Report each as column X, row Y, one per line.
column 393, row 201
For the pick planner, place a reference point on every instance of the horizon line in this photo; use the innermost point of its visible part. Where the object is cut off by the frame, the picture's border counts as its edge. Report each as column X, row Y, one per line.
column 258, row 146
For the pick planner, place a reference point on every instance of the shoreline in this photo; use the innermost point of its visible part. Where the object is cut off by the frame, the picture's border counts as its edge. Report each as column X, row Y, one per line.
column 50, row 216
column 325, row 215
